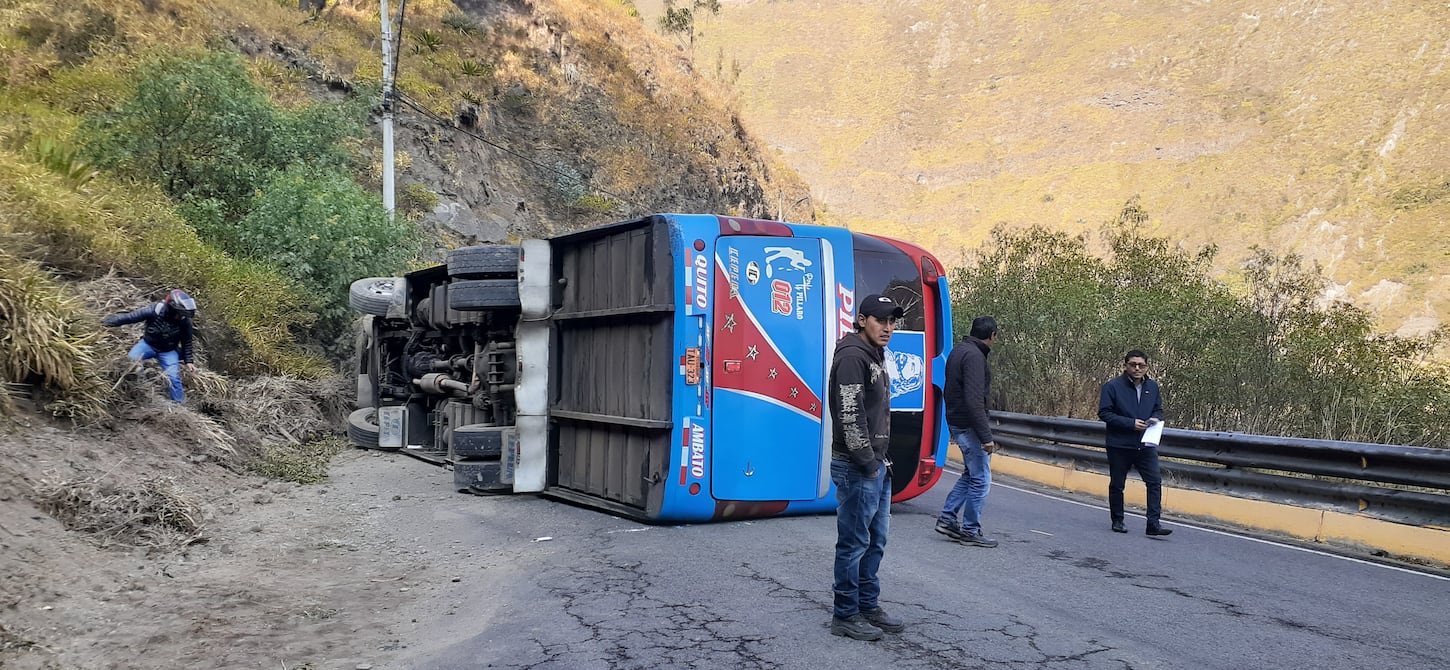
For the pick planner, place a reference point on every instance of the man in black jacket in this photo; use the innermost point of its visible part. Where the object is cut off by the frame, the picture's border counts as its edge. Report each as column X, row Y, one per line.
column 1129, row 403
column 860, row 398
column 167, row 337
column 968, row 385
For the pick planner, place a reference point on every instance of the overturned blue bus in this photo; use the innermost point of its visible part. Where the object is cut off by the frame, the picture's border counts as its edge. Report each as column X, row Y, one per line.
column 671, row 368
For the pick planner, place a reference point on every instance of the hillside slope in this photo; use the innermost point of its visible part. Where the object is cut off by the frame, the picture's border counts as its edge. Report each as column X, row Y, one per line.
column 1317, row 127
column 516, row 119
column 588, row 117
column 578, row 114
column 143, row 533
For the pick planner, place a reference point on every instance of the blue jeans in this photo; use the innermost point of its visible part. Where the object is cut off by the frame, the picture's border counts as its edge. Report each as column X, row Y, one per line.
column 170, row 364
column 970, row 493
column 863, row 517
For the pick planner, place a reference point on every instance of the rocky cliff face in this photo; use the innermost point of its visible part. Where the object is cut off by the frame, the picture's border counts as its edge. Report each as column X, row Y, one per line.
column 585, row 117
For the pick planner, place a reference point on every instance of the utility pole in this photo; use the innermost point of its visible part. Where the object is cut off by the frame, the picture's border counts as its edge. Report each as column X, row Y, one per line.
column 388, row 199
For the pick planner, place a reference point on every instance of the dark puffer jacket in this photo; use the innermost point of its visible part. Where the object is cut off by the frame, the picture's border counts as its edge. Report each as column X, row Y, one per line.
column 165, row 330
column 968, row 385
column 860, row 397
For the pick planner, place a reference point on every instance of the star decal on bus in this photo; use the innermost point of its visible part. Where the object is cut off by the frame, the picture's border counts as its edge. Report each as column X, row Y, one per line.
column 770, row 377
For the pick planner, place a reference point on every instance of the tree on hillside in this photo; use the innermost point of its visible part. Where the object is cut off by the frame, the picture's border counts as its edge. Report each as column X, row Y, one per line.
column 198, row 126
column 680, row 21
column 261, row 182
column 1271, row 358
column 324, row 230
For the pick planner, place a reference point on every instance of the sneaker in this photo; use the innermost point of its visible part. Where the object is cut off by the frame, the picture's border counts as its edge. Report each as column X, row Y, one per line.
column 977, row 540
column 880, row 619
column 950, row 528
column 1159, row 531
column 1118, row 527
column 855, row 627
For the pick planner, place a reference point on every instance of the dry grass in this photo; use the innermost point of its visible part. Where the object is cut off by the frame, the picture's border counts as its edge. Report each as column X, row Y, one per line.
column 142, row 400
column 240, row 424
column 46, row 342
column 112, row 293
column 153, row 514
column 95, row 229
column 271, row 410
column 304, row 463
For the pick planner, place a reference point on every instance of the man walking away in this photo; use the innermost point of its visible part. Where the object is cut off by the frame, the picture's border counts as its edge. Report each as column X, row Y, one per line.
column 167, row 337
column 860, row 397
column 1129, row 404
column 968, row 386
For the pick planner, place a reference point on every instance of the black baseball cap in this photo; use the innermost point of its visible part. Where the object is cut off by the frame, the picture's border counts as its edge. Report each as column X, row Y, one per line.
column 881, row 307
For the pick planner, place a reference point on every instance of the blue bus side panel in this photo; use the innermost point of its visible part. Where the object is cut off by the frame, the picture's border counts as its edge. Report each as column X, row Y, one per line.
column 687, row 497
column 768, row 368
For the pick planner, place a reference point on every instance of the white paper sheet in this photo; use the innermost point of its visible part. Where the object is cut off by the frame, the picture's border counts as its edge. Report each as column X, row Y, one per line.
column 1154, row 434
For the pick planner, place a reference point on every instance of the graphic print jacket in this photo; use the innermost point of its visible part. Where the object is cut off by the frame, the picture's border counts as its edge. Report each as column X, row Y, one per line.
column 860, row 393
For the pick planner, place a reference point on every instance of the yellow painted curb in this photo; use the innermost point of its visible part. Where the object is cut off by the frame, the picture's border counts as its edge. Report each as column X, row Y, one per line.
column 1329, row 527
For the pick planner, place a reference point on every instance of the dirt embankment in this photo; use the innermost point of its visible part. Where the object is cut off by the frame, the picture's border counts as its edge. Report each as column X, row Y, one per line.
column 128, row 550
column 150, row 541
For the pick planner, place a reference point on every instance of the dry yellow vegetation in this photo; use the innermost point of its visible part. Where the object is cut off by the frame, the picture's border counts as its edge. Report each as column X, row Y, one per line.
column 1318, row 127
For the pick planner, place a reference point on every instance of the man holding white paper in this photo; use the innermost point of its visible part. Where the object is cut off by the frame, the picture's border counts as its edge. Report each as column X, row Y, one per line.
column 1129, row 404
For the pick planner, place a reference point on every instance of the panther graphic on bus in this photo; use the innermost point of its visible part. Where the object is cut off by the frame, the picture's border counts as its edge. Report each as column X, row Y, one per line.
column 795, row 258
column 907, row 372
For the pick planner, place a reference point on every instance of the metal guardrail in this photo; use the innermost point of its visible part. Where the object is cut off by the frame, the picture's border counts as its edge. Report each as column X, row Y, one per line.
column 1235, row 463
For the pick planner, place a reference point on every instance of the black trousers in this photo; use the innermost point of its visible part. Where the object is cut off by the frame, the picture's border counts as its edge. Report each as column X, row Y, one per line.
column 1145, row 461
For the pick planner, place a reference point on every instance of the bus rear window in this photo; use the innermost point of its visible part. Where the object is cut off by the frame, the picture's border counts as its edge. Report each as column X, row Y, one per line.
column 882, row 268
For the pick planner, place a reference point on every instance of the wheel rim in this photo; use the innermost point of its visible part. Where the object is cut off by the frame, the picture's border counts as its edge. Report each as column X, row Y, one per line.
column 381, row 288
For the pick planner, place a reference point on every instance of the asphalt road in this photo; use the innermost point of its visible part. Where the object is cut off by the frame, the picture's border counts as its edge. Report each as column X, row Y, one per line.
column 1061, row 591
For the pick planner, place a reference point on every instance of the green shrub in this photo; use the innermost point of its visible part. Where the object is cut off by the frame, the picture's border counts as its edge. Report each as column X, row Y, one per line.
column 198, row 126
column 320, row 228
column 1267, row 359
column 470, row 68
column 425, row 40
column 461, row 22
column 238, row 168
column 416, row 201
